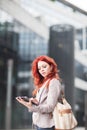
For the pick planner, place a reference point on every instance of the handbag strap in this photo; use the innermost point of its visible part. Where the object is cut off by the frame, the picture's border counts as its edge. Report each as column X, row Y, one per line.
column 62, row 94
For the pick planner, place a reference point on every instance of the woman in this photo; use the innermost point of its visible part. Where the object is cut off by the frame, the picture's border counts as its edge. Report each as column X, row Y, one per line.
column 47, row 92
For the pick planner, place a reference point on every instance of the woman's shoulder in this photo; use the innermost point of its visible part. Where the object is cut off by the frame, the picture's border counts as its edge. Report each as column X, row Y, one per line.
column 55, row 85
column 55, row 81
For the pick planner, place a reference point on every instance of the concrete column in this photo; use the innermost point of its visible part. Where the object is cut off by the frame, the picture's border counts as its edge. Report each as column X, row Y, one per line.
column 86, row 110
column 9, row 94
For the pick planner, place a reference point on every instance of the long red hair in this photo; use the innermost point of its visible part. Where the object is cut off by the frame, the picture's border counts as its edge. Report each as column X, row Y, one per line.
column 38, row 79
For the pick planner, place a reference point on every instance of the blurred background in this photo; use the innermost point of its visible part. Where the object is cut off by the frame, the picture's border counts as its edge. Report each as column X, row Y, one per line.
column 29, row 28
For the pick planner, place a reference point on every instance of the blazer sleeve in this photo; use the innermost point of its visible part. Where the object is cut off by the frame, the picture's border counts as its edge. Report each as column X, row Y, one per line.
column 52, row 98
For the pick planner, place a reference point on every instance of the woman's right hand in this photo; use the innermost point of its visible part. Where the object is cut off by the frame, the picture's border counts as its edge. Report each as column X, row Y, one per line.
column 34, row 101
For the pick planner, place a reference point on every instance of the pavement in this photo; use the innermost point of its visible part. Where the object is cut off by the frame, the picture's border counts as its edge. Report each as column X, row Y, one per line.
column 77, row 128
column 80, row 128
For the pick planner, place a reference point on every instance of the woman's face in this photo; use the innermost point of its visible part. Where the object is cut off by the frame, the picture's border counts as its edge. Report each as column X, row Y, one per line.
column 44, row 68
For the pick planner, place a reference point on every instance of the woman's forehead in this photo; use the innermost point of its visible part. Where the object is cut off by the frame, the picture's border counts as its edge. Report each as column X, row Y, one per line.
column 41, row 63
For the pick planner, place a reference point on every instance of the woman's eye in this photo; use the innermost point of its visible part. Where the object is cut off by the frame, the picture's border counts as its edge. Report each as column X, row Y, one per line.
column 44, row 66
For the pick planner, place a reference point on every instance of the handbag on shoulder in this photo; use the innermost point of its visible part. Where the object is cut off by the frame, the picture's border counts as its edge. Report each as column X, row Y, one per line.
column 64, row 118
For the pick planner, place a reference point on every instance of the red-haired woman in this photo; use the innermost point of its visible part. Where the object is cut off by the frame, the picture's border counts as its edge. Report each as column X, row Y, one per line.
column 47, row 92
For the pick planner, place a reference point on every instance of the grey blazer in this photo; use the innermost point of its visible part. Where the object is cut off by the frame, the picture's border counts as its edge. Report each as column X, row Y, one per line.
column 47, row 100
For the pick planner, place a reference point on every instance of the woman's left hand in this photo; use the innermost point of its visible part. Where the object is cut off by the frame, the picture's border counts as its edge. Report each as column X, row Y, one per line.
column 26, row 104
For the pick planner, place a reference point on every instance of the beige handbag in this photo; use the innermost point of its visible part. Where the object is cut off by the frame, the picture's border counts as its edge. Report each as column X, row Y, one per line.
column 63, row 116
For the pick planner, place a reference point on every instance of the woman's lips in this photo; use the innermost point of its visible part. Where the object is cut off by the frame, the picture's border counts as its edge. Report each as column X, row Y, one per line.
column 43, row 73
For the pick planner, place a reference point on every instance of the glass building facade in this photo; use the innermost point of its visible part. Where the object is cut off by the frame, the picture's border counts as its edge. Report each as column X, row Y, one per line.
column 22, row 46
column 8, row 50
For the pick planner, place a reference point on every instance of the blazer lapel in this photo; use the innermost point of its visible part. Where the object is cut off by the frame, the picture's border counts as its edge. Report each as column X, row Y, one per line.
column 43, row 95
